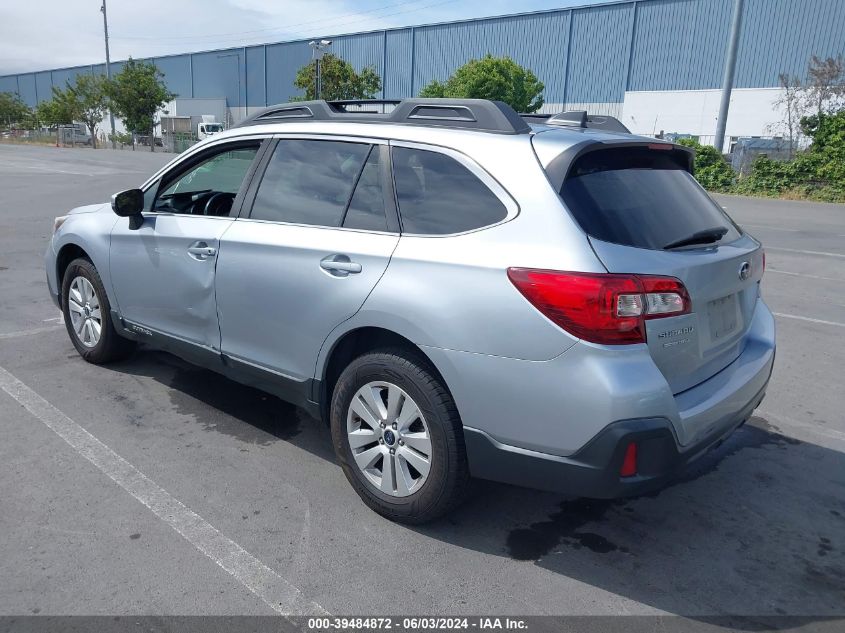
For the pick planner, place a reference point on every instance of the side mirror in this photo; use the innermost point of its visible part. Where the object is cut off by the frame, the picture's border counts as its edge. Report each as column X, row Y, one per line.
column 128, row 203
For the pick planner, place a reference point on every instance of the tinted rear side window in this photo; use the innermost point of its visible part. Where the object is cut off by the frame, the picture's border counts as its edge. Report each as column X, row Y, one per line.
column 366, row 209
column 640, row 197
column 309, row 182
column 437, row 195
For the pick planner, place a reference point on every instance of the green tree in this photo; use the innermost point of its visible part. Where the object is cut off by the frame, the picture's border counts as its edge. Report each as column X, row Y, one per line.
column 61, row 109
column 827, row 152
column 338, row 80
column 817, row 173
column 13, row 110
column 711, row 169
column 495, row 78
column 136, row 93
column 92, row 102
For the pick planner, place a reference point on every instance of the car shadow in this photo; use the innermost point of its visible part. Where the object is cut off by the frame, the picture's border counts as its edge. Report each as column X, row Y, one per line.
column 755, row 527
column 250, row 415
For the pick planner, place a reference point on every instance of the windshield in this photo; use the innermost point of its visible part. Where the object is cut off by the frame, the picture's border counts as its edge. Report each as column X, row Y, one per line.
column 213, row 127
column 644, row 198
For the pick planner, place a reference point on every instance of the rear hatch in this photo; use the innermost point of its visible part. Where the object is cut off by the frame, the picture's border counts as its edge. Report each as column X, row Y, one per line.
column 645, row 214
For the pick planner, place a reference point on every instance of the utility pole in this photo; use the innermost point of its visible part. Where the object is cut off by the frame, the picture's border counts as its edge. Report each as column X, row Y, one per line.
column 728, row 77
column 108, row 68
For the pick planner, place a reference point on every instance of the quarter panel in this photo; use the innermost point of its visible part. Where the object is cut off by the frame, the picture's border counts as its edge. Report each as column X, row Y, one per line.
column 554, row 406
column 455, row 293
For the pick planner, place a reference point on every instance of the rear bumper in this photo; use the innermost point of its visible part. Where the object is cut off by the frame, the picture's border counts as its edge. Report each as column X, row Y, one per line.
column 670, row 432
column 594, row 470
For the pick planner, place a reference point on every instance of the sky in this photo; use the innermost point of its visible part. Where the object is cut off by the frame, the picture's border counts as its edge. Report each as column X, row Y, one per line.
column 46, row 34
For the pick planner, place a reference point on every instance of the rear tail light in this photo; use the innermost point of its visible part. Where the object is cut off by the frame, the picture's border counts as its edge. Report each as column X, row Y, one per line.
column 602, row 308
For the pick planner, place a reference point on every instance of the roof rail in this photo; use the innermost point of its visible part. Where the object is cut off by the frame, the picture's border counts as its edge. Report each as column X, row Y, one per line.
column 580, row 118
column 467, row 114
column 345, row 103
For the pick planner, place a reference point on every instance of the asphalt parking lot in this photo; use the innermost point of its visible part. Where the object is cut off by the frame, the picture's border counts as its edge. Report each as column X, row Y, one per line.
column 755, row 528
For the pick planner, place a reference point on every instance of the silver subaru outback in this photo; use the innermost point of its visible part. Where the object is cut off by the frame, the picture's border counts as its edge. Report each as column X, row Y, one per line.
column 455, row 289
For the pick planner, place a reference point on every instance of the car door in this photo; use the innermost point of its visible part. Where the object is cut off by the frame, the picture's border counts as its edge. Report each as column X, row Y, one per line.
column 163, row 272
column 320, row 231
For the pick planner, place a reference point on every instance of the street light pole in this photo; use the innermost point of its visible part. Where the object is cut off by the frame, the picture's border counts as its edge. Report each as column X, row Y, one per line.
column 108, row 68
column 728, row 78
column 317, row 52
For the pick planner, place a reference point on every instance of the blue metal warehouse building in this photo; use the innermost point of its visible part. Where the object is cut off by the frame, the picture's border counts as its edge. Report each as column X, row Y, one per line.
column 657, row 64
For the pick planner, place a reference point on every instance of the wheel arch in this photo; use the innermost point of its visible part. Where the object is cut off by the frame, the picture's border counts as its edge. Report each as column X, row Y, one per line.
column 67, row 253
column 354, row 343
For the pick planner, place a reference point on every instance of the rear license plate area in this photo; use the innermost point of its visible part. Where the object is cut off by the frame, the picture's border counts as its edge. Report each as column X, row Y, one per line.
column 723, row 317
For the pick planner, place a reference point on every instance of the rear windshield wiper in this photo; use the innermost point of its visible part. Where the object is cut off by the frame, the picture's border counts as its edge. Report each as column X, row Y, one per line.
column 705, row 236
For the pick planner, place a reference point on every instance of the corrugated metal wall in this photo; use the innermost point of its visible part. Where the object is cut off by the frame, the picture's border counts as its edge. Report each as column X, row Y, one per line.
column 781, row 35
column 588, row 55
column 398, row 55
column 537, row 41
column 681, row 45
column 599, row 54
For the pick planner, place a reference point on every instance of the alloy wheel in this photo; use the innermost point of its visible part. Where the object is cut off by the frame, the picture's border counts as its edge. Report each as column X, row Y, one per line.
column 389, row 438
column 84, row 310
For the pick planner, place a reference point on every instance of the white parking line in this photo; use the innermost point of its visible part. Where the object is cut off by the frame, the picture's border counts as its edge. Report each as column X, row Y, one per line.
column 10, row 170
column 795, row 250
column 803, row 318
column 786, row 272
column 272, row 589
column 36, row 330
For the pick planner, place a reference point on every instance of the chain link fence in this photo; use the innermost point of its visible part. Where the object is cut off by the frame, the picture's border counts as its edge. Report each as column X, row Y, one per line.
column 38, row 132
column 743, row 150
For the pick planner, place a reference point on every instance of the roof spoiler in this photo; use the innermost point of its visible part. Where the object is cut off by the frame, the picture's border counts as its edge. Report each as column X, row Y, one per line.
column 468, row 114
column 580, row 118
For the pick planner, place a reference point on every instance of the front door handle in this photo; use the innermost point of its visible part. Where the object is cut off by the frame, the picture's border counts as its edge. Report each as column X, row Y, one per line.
column 201, row 251
column 340, row 266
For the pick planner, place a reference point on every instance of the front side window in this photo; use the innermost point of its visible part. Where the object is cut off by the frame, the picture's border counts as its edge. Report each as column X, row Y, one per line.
column 210, row 187
column 437, row 195
column 310, row 182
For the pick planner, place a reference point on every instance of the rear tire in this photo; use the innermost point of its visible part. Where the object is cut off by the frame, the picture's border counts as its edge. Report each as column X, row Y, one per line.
column 87, row 315
column 398, row 436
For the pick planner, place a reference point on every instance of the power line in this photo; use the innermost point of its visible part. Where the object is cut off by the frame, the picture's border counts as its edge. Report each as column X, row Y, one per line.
column 287, row 29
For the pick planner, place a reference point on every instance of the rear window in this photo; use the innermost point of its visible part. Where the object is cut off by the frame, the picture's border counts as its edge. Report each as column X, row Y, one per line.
column 640, row 197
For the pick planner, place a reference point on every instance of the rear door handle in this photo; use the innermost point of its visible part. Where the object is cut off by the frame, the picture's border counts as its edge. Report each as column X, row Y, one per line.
column 201, row 251
column 340, row 265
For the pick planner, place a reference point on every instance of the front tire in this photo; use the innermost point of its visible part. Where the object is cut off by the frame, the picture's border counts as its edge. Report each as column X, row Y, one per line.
column 87, row 315
column 398, row 436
